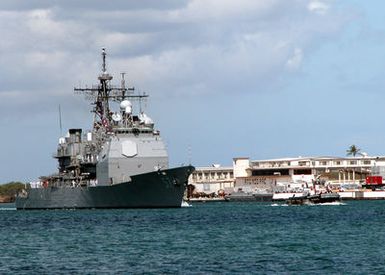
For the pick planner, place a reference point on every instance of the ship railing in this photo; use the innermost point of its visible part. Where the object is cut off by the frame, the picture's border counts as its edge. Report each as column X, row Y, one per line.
column 133, row 130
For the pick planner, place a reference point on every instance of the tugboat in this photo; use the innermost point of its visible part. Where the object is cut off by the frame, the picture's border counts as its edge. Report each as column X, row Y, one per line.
column 121, row 163
column 316, row 198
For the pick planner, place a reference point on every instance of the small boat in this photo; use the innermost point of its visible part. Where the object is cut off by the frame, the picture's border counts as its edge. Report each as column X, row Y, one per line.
column 313, row 199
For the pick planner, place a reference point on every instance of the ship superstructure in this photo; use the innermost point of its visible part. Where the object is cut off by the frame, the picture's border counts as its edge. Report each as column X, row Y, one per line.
column 122, row 146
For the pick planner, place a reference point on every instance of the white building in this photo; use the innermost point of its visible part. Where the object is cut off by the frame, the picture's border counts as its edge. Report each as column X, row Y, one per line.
column 253, row 175
column 304, row 169
column 212, row 179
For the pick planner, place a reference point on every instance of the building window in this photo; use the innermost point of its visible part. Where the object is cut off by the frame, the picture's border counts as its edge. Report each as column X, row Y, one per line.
column 323, row 162
column 367, row 162
column 353, row 162
column 337, row 162
column 302, row 172
column 270, row 172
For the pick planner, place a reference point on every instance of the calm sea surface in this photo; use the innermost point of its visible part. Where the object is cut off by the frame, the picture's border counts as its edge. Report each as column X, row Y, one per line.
column 207, row 238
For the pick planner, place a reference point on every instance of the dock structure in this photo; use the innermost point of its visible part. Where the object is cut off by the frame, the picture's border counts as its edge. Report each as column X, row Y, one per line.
column 211, row 181
column 343, row 174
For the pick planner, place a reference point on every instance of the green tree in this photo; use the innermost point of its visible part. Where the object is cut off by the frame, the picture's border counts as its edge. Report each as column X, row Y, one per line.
column 353, row 150
column 11, row 188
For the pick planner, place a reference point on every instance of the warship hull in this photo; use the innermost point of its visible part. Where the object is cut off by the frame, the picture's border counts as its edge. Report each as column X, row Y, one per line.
column 160, row 189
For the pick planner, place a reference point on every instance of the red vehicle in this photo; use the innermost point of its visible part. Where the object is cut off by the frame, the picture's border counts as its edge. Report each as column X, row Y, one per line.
column 373, row 180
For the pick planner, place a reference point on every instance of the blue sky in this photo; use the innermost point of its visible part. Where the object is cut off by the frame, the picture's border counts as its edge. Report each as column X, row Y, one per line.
column 259, row 79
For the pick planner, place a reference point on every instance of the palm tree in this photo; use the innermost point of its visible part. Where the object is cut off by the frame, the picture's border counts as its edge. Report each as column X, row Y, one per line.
column 353, row 150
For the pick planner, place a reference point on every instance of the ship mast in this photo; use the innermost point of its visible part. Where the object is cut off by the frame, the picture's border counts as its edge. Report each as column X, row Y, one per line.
column 102, row 107
column 101, row 94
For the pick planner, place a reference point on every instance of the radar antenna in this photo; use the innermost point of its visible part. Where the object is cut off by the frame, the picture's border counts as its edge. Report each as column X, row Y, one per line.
column 102, row 93
column 104, row 70
column 123, row 85
column 60, row 123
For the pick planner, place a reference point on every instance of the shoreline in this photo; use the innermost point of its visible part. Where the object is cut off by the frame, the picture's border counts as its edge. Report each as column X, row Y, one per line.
column 7, row 199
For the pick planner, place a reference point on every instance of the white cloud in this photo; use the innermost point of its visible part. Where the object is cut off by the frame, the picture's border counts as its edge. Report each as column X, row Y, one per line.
column 49, row 60
column 210, row 44
column 208, row 10
column 318, row 7
column 167, row 48
column 295, row 61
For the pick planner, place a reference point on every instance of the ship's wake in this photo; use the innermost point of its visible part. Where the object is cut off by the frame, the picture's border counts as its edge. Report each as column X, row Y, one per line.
column 311, row 204
column 330, row 203
column 185, row 204
column 279, row 204
column 7, row 208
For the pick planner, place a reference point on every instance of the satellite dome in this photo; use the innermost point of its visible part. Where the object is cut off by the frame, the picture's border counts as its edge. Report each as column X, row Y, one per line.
column 145, row 119
column 125, row 103
column 116, row 117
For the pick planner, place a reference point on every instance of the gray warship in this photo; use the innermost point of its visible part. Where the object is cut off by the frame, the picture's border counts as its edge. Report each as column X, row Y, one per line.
column 121, row 163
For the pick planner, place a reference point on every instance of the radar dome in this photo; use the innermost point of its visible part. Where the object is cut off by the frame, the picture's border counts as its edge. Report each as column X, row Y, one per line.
column 128, row 110
column 125, row 103
column 145, row 119
column 116, row 117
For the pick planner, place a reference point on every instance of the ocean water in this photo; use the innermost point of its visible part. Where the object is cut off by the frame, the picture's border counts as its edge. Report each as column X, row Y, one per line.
column 206, row 238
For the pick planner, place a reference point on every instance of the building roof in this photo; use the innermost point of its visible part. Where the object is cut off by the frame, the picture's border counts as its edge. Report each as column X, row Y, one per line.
column 213, row 168
column 318, row 158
